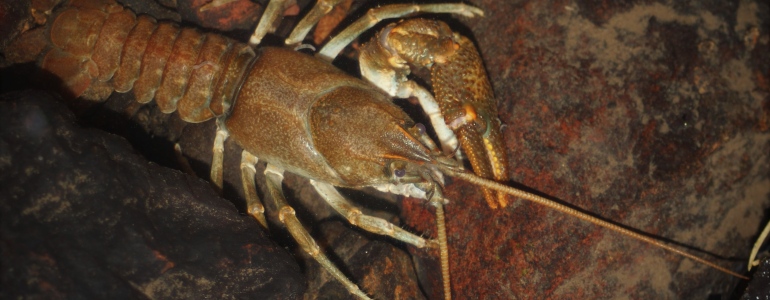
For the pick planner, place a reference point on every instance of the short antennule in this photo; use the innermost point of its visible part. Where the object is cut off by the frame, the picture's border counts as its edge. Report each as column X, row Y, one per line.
column 578, row 214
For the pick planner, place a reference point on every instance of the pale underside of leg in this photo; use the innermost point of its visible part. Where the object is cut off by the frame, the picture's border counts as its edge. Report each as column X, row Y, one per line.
column 445, row 135
column 274, row 178
column 320, row 9
column 248, row 172
column 396, row 85
column 218, row 154
column 357, row 218
column 383, row 227
column 214, row 4
column 376, row 15
column 184, row 164
column 269, row 20
column 758, row 244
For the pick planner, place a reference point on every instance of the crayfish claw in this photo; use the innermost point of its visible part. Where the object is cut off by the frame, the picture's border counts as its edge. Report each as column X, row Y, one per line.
column 463, row 108
column 465, row 96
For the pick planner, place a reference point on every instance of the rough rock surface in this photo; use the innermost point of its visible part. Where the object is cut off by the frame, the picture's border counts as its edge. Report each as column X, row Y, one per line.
column 655, row 115
column 83, row 216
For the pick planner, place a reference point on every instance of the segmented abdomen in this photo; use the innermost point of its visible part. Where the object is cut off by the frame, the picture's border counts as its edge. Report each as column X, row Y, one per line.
column 100, row 48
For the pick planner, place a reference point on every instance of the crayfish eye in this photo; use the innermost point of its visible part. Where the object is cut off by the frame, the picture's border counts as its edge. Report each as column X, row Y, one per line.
column 420, row 128
column 397, row 169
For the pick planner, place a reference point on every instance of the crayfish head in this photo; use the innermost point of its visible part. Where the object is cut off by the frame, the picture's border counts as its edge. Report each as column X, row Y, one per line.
column 366, row 138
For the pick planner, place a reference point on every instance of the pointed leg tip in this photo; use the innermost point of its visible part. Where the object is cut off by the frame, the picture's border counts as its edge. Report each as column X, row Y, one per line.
column 488, row 196
column 502, row 199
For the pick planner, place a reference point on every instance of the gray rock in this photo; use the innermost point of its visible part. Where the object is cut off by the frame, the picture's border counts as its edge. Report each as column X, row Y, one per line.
column 83, row 216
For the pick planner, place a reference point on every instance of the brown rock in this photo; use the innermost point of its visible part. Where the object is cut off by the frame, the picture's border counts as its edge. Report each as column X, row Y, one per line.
column 648, row 114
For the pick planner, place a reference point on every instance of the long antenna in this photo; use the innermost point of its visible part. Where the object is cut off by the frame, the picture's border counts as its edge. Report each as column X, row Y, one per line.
column 443, row 250
column 578, row 214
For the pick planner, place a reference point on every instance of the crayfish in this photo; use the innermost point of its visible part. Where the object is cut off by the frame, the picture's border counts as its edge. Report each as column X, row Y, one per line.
column 301, row 114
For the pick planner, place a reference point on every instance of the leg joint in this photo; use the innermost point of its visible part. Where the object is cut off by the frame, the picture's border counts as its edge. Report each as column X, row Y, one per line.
column 285, row 212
